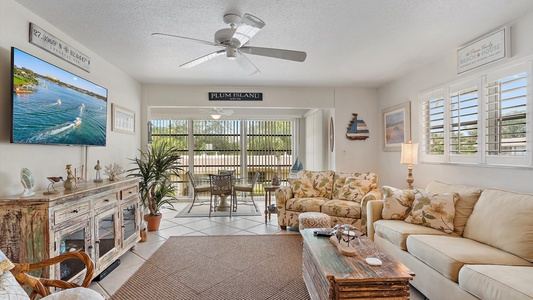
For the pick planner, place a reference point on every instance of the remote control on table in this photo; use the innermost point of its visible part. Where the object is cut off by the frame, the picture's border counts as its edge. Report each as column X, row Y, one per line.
column 323, row 233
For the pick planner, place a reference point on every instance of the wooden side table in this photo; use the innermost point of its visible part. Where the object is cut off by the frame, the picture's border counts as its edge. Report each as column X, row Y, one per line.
column 268, row 198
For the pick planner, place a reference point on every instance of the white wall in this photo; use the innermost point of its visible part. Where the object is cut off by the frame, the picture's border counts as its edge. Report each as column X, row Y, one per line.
column 46, row 160
column 339, row 103
column 442, row 71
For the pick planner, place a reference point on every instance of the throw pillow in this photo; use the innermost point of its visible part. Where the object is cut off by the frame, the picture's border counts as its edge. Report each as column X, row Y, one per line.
column 302, row 188
column 5, row 263
column 397, row 204
column 11, row 289
column 316, row 183
column 354, row 189
column 433, row 210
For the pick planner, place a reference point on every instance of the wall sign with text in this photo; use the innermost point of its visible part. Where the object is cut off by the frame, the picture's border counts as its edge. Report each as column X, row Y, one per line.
column 492, row 47
column 57, row 47
column 235, row 96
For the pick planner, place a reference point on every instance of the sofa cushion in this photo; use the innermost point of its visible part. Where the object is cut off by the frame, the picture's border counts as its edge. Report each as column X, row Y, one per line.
column 10, row 288
column 78, row 293
column 342, row 208
column 433, row 210
column 305, row 204
column 312, row 184
column 497, row 282
column 447, row 254
column 397, row 231
column 397, row 204
column 503, row 220
column 468, row 197
column 353, row 186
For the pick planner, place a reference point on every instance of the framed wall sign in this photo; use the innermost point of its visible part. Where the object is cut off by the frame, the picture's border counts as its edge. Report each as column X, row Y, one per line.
column 41, row 38
column 490, row 48
column 235, row 96
column 396, row 122
column 122, row 119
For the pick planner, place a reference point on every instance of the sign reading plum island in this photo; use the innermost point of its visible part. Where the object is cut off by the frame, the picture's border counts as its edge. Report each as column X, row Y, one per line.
column 235, row 96
column 488, row 49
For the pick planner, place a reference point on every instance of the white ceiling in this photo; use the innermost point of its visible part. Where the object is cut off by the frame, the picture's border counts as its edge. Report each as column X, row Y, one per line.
column 349, row 43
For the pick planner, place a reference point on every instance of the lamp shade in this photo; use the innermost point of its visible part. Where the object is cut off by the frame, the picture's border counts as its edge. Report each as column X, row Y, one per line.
column 409, row 153
column 215, row 116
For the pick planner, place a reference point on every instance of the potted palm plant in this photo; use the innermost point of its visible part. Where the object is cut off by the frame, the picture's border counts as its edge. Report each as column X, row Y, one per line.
column 155, row 168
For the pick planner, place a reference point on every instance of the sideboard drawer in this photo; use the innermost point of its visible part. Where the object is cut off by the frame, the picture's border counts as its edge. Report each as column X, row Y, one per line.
column 73, row 211
column 128, row 192
column 103, row 201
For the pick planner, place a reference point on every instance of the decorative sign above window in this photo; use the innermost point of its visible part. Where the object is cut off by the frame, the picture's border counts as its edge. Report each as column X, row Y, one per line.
column 50, row 43
column 488, row 49
column 235, row 96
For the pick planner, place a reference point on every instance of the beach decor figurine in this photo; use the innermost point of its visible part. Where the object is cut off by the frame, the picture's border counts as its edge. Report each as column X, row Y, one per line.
column 26, row 178
column 97, row 177
column 343, row 234
column 70, row 183
column 52, row 179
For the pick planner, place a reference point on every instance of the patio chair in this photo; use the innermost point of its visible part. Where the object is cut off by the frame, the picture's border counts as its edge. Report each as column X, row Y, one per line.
column 222, row 187
column 245, row 188
column 196, row 189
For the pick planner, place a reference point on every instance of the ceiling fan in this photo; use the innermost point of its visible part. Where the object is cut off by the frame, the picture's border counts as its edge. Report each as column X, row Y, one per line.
column 233, row 42
column 216, row 113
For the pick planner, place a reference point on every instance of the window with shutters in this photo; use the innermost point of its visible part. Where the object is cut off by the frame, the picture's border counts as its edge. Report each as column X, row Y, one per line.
column 485, row 122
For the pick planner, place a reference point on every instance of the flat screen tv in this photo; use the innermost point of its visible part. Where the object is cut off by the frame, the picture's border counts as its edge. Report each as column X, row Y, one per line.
column 53, row 106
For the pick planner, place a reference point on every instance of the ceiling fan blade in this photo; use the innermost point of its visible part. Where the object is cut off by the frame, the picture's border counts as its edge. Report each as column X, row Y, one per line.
column 276, row 53
column 249, row 26
column 226, row 112
column 158, row 34
column 247, row 65
column 202, row 59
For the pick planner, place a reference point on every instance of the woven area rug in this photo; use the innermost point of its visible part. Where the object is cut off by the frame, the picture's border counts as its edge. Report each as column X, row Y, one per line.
column 221, row 267
column 203, row 211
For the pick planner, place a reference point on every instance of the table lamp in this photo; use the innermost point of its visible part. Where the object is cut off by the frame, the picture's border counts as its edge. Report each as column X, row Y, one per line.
column 409, row 157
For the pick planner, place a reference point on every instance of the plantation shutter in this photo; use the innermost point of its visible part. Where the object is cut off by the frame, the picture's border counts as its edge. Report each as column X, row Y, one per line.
column 433, row 125
column 506, row 116
column 463, row 129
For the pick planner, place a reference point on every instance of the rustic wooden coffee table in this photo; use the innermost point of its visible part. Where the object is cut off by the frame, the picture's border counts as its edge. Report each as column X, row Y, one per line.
column 330, row 275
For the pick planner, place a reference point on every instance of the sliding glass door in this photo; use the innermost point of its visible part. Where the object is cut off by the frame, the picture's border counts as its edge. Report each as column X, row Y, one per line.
column 244, row 146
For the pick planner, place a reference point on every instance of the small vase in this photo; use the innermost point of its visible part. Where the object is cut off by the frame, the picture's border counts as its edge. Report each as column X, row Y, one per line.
column 153, row 221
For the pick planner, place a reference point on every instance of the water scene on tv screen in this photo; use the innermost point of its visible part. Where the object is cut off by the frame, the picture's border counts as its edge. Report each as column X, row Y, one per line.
column 53, row 106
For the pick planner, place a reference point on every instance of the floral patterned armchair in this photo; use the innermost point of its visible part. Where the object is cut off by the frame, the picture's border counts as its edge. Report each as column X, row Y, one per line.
column 342, row 196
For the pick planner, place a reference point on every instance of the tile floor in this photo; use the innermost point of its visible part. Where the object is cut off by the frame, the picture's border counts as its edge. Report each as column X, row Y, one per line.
column 170, row 226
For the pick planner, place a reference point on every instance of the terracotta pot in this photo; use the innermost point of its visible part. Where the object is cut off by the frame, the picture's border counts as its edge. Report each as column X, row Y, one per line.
column 153, row 221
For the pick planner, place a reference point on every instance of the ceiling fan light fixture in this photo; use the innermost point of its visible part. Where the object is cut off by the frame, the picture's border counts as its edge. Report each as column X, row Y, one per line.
column 231, row 53
column 216, row 116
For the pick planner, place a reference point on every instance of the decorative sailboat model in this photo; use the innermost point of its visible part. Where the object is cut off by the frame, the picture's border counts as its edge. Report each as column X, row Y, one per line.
column 357, row 129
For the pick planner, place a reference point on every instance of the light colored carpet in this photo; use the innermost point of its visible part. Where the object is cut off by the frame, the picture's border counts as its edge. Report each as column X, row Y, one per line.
column 221, row 267
column 203, row 211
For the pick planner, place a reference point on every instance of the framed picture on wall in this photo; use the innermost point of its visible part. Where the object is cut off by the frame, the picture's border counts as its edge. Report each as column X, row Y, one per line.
column 396, row 122
column 122, row 119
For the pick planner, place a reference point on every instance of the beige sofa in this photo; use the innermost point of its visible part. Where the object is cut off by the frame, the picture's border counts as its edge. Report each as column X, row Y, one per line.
column 342, row 196
column 488, row 255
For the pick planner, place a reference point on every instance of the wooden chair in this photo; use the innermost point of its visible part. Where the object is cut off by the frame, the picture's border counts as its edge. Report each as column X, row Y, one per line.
column 245, row 188
column 196, row 189
column 221, row 186
column 41, row 286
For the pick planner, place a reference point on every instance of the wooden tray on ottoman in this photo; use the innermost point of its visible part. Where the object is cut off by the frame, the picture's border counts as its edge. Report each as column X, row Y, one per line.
column 331, row 275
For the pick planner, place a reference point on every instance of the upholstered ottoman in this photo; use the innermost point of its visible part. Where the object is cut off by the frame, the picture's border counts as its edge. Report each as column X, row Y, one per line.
column 314, row 220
